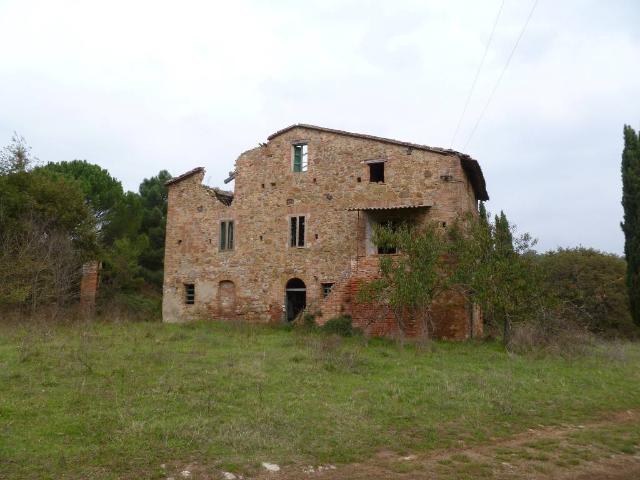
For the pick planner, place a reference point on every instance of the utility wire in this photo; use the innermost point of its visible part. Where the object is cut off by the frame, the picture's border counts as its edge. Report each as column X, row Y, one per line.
column 506, row 65
column 475, row 80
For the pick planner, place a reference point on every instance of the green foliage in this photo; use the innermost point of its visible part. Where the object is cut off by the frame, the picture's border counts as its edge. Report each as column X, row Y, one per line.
column 153, row 194
column 46, row 231
column 631, row 223
column 309, row 321
column 102, row 192
column 589, row 289
column 125, row 220
column 495, row 269
column 122, row 270
column 16, row 157
column 341, row 325
column 409, row 282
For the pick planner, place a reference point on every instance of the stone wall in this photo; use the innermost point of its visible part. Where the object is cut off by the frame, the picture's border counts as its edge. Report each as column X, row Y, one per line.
column 248, row 282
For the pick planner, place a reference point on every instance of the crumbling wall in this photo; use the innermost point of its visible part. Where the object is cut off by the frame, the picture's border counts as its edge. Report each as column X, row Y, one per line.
column 267, row 193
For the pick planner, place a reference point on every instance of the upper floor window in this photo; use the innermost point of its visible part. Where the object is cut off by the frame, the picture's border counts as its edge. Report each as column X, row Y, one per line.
column 226, row 235
column 376, row 172
column 296, row 238
column 300, row 160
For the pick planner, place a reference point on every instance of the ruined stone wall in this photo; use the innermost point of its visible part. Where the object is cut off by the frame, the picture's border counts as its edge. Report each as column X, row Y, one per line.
column 249, row 281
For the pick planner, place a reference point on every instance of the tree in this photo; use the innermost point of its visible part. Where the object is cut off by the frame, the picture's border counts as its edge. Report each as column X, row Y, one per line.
column 154, row 197
column 46, row 232
column 588, row 289
column 16, row 157
column 408, row 282
column 494, row 269
column 102, row 191
column 631, row 222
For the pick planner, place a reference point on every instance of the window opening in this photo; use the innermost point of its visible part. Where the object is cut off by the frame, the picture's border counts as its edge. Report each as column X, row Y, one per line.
column 189, row 293
column 376, row 172
column 300, row 157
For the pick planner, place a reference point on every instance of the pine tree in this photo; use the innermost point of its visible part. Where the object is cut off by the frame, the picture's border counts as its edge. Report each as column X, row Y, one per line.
column 631, row 223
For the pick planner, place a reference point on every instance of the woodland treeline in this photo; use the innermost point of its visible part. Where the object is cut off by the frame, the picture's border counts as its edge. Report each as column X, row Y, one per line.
column 55, row 216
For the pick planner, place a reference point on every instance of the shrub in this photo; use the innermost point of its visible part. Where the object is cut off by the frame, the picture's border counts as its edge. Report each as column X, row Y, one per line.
column 554, row 335
column 589, row 289
column 341, row 325
column 306, row 321
column 131, row 306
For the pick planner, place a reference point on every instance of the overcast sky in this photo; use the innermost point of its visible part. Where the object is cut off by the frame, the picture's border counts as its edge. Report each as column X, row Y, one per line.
column 140, row 86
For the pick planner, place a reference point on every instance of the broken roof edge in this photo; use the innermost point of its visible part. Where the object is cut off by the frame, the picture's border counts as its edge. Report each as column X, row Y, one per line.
column 232, row 176
column 185, row 175
column 470, row 165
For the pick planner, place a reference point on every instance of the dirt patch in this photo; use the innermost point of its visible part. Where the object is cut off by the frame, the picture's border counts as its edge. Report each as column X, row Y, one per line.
column 604, row 449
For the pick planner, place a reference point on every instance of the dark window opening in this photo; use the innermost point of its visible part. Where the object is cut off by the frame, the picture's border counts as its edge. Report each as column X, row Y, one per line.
column 358, row 179
column 300, row 157
column 326, row 289
column 376, row 172
column 297, row 231
column 189, row 293
column 226, row 235
column 389, row 249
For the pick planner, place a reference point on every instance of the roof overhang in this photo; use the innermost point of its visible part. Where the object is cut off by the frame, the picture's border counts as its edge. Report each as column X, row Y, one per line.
column 391, row 207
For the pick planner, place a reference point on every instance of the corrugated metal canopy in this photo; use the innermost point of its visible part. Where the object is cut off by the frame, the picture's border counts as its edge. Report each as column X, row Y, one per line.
column 391, row 207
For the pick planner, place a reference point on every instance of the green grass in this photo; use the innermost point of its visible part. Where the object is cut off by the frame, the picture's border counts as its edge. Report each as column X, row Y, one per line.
column 119, row 400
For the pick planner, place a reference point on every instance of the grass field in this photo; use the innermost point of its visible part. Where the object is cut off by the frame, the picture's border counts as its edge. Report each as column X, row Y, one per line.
column 121, row 400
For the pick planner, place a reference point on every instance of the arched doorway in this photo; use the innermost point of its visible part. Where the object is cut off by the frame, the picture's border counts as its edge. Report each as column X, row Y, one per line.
column 296, row 292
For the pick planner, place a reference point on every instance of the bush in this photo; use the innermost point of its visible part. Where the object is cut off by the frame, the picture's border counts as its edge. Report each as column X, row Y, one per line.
column 554, row 335
column 589, row 289
column 135, row 306
column 341, row 325
column 305, row 321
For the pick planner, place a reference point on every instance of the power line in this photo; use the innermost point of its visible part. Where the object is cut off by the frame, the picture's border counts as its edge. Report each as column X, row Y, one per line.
column 506, row 65
column 475, row 80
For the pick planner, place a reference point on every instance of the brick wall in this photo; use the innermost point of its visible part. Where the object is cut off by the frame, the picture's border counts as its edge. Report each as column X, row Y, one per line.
column 89, row 285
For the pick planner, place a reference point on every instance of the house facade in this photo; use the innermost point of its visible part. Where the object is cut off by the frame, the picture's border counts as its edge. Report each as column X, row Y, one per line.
column 296, row 231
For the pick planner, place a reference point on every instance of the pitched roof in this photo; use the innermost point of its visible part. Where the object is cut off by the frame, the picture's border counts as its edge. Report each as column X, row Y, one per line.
column 184, row 175
column 469, row 164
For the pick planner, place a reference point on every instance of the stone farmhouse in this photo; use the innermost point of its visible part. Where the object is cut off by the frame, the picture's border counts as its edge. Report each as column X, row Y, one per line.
column 296, row 231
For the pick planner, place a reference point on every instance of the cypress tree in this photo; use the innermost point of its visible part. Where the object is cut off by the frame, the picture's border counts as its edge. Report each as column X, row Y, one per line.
column 503, row 235
column 631, row 222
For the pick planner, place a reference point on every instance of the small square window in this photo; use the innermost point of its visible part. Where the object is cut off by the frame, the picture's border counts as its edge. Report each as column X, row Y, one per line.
column 296, row 237
column 376, row 172
column 300, row 157
column 326, row 289
column 189, row 293
column 226, row 235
